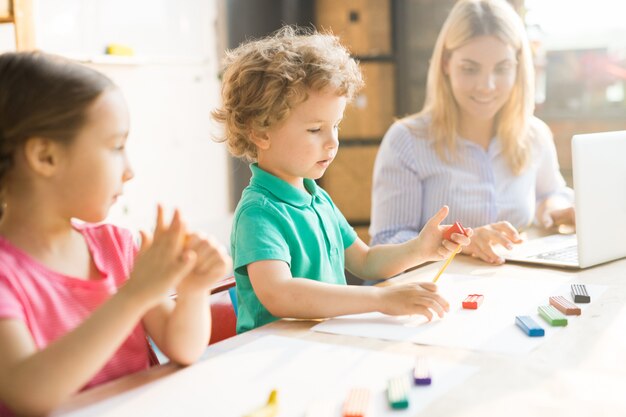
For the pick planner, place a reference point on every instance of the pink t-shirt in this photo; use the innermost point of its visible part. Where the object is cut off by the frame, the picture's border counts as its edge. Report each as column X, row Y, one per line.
column 52, row 304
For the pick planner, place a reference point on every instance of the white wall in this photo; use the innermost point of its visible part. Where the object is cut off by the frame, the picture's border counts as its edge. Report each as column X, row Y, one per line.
column 171, row 85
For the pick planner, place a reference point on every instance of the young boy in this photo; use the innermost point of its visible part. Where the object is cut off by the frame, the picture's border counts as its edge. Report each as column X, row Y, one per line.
column 283, row 99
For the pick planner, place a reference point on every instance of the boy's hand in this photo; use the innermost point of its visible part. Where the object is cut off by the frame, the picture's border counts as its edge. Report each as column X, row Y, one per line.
column 431, row 245
column 162, row 261
column 413, row 298
column 486, row 237
column 212, row 263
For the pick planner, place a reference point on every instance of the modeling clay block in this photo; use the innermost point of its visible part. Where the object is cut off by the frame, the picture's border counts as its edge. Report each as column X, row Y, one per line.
column 529, row 326
column 565, row 306
column 580, row 294
column 398, row 392
column 552, row 316
column 357, row 403
column 473, row 301
column 421, row 374
column 455, row 228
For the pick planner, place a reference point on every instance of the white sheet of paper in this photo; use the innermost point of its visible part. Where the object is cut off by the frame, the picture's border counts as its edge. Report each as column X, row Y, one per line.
column 311, row 378
column 490, row 328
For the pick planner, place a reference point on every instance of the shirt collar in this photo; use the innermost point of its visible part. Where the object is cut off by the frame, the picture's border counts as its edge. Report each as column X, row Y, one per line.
column 493, row 149
column 281, row 189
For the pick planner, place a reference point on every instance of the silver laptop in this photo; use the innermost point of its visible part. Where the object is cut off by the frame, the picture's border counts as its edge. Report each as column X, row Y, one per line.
column 599, row 166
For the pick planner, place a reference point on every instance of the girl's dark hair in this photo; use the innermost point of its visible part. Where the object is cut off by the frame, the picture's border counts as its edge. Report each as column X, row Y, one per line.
column 42, row 95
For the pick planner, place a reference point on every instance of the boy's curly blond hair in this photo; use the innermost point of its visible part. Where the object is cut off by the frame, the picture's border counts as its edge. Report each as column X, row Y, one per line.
column 264, row 79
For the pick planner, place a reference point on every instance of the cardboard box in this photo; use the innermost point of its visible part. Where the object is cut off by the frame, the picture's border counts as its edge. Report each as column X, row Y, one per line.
column 348, row 180
column 373, row 109
column 364, row 26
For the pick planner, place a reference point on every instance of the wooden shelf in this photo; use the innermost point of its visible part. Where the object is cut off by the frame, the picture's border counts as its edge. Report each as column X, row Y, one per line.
column 20, row 14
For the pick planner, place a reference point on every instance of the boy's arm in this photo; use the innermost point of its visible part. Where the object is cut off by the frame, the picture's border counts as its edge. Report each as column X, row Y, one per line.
column 382, row 261
column 385, row 261
column 302, row 298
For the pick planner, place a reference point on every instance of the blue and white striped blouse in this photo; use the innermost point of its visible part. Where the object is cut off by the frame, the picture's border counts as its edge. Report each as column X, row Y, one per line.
column 411, row 182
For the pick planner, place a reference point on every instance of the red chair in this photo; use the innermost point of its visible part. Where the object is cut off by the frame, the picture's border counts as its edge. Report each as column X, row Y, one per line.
column 223, row 317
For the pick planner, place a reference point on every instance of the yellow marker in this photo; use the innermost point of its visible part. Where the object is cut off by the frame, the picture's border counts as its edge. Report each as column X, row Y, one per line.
column 268, row 410
column 443, row 268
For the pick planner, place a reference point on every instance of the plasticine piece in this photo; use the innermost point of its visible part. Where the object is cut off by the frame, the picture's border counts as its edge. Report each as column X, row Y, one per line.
column 565, row 306
column 529, row 326
column 552, row 316
column 473, row 301
column 421, row 374
column 455, row 228
column 580, row 294
column 357, row 403
column 398, row 392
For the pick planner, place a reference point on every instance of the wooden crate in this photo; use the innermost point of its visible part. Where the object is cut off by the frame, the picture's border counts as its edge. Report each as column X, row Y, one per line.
column 373, row 110
column 364, row 26
column 5, row 10
column 349, row 181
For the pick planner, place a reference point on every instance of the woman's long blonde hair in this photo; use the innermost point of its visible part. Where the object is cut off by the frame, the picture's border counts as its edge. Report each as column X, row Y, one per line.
column 469, row 19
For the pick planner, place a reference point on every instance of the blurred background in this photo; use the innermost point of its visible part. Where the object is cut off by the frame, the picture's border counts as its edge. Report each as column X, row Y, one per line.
column 166, row 54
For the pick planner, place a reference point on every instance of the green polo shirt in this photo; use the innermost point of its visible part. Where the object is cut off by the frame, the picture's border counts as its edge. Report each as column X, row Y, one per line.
column 275, row 220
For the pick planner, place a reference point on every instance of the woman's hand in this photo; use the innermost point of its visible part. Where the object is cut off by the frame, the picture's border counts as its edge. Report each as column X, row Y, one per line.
column 558, row 217
column 486, row 237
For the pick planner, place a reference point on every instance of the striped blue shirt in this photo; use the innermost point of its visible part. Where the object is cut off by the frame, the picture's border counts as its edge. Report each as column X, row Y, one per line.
column 411, row 182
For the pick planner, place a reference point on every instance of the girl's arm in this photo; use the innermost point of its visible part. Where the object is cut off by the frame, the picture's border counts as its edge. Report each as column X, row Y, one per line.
column 36, row 381
column 182, row 329
column 302, row 298
column 385, row 261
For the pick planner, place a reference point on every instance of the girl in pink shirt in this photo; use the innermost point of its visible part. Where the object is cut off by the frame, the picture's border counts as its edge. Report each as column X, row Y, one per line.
column 77, row 300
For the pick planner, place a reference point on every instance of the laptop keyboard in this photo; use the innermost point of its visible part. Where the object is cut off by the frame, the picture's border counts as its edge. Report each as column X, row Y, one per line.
column 568, row 254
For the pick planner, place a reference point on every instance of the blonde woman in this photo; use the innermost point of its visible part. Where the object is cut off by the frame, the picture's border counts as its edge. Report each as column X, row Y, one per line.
column 476, row 145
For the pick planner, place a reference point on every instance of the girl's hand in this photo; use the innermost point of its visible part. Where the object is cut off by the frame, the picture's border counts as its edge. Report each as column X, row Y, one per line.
column 413, row 298
column 430, row 243
column 486, row 237
column 212, row 263
column 162, row 262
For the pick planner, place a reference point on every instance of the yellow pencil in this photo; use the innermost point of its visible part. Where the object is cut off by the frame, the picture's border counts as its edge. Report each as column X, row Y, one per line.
column 444, row 266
